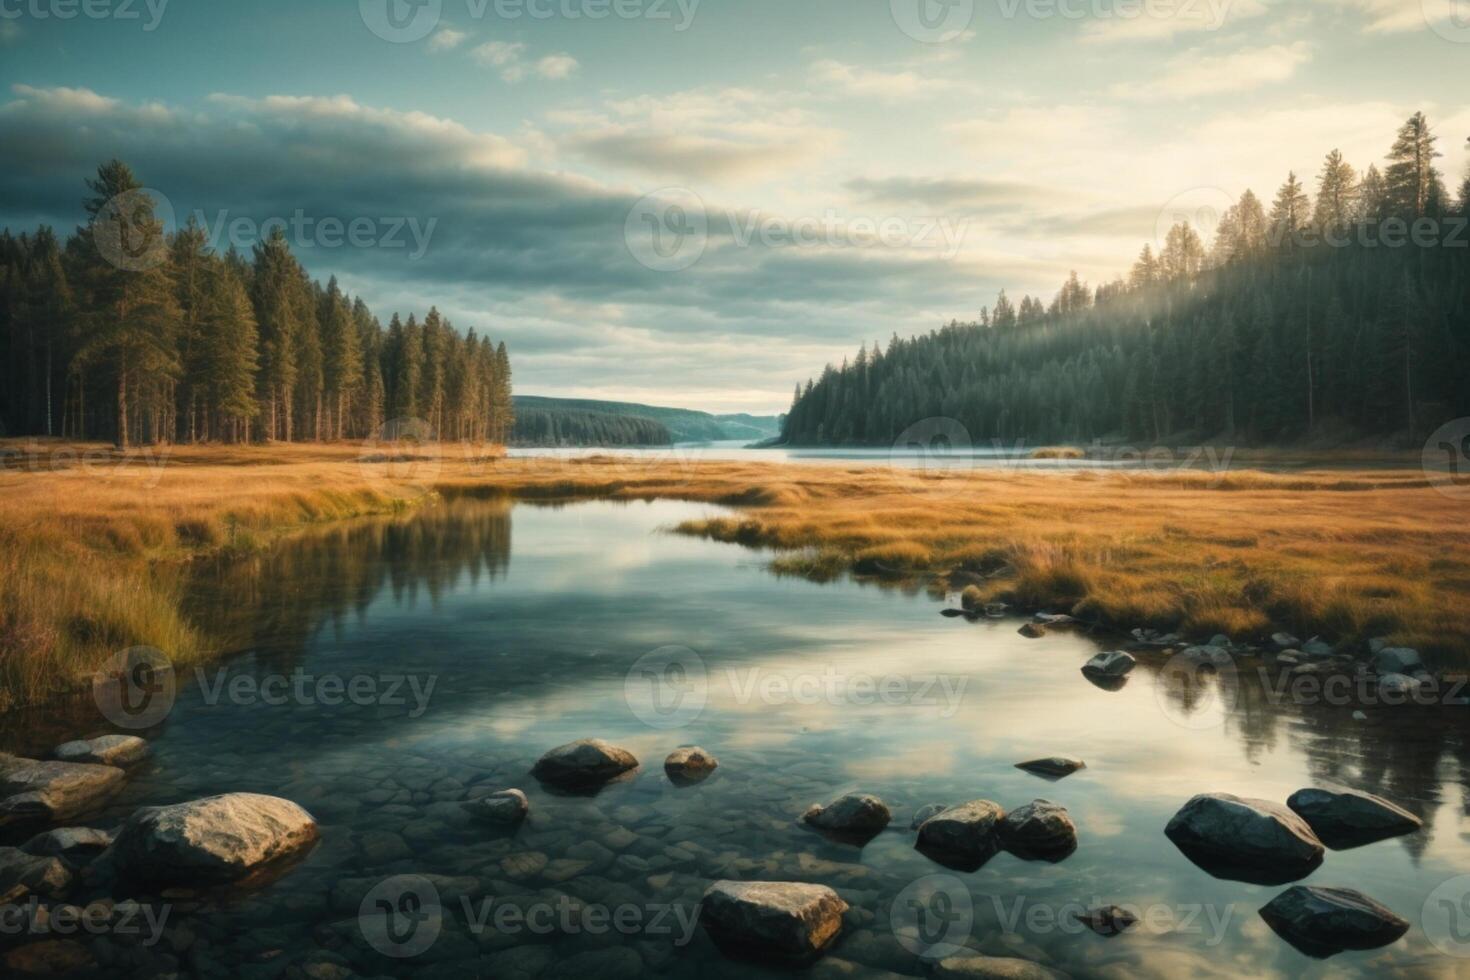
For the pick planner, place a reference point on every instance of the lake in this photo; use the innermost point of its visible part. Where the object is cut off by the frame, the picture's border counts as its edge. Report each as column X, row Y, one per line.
column 388, row 670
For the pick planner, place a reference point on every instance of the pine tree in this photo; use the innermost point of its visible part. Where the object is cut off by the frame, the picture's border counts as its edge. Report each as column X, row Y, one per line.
column 1291, row 213
column 229, row 358
column 1337, row 195
column 1411, row 174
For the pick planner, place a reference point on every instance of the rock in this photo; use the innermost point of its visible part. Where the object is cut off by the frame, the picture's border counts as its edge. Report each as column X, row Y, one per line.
column 856, row 815
column 1039, row 831
column 1109, row 920
column 1114, row 664
column 1032, row 631
column 968, row 967
column 22, row 874
column 48, row 792
column 216, row 840
column 1248, row 840
column 924, row 813
column 783, row 921
column 1053, row 619
column 1347, row 818
column 586, row 762
column 509, row 806
column 689, row 764
column 1376, row 644
column 109, row 750
column 1220, row 640
column 1055, row 767
column 996, row 610
column 1284, row 641
column 49, row 958
column 962, row 837
column 952, row 613
column 1399, row 688
column 1398, row 660
column 72, row 843
column 1217, row 657
column 1323, row 921
column 1316, row 649
column 1359, row 716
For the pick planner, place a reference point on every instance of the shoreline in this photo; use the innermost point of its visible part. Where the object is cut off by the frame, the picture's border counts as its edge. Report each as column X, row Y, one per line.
column 86, row 554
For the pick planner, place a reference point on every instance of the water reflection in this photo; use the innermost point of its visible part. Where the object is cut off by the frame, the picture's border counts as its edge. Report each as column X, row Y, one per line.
column 805, row 692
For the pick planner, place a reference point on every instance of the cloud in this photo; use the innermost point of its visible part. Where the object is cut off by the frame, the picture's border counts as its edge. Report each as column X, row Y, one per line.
column 1152, row 21
column 1193, row 73
column 863, row 82
column 509, row 58
column 1393, row 16
column 447, row 39
column 950, row 193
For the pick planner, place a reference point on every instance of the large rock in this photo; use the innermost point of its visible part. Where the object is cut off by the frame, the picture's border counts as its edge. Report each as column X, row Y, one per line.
column 48, row 792
column 1323, row 921
column 1398, row 660
column 962, row 837
column 108, row 750
column 1053, row 767
column 784, row 921
column 975, row 967
column 213, row 841
column 1039, row 831
column 507, row 807
column 924, row 812
column 1113, row 664
column 1347, row 818
column 1245, row 840
column 22, row 874
column 587, row 762
column 689, row 764
column 76, row 844
column 856, row 815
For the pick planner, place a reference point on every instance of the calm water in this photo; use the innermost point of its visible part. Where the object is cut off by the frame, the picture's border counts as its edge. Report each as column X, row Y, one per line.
column 527, row 621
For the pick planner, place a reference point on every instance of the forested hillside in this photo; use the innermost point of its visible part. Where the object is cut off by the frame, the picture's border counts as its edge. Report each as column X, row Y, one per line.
column 129, row 334
column 681, row 424
column 1349, row 316
column 568, row 427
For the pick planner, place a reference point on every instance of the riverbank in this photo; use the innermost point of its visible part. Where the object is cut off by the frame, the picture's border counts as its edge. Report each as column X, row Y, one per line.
column 94, row 543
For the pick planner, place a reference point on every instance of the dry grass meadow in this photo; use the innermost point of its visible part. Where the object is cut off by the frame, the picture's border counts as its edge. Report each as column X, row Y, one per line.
column 93, row 543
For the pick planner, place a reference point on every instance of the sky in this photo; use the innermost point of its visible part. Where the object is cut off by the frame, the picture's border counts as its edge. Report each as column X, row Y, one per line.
column 701, row 202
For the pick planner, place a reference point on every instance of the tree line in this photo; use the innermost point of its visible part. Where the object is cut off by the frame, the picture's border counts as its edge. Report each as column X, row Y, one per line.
column 1338, row 318
column 570, row 427
column 130, row 333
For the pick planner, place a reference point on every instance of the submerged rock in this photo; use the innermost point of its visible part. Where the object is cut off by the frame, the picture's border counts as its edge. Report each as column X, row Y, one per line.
column 509, row 806
column 47, row 792
column 962, row 837
column 1398, row 660
column 776, row 920
column 1039, row 831
column 108, row 750
column 213, row 841
column 856, row 816
column 1347, row 818
column 924, row 813
column 1398, row 688
column 996, row 610
column 1321, row 922
column 588, row 761
column 73, row 843
column 690, row 764
column 1284, row 641
column 1113, row 664
column 22, row 874
column 975, row 967
column 1110, row 920
column 1054, row 767
column 1032, row 631
column 1248, row 840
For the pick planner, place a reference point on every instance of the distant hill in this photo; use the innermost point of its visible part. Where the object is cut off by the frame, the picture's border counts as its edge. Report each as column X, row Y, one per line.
column 682, row 424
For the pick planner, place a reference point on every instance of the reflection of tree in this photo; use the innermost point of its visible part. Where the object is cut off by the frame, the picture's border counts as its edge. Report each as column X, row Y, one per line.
column 1403, row 752
column 273, row 602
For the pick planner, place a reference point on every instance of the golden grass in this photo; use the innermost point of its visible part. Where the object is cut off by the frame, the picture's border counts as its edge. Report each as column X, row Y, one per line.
column 90, row 546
